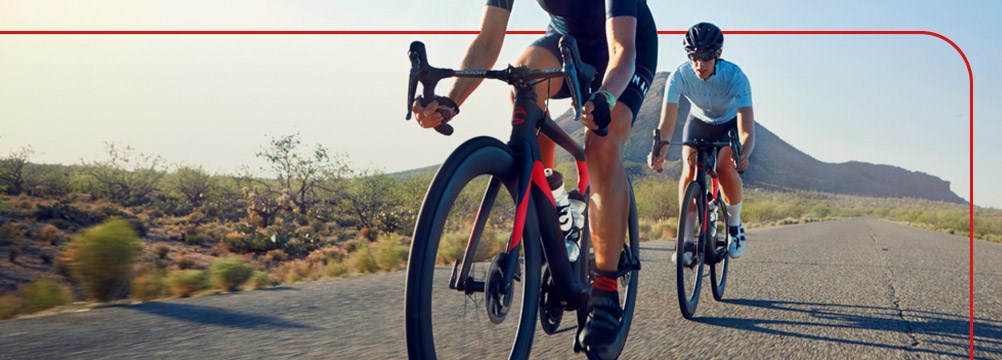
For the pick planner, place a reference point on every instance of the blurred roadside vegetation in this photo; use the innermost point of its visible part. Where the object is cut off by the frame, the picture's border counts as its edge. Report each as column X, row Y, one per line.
column 189, row 231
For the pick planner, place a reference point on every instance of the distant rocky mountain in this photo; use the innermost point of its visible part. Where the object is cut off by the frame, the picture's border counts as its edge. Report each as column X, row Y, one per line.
column 776, row 165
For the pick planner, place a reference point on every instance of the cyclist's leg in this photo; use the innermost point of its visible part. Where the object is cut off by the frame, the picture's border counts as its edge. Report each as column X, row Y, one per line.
column 609, row 197
column 688, row 169
column 730, row 186
column 730, row 182
column 544, row 53
column 692, row 130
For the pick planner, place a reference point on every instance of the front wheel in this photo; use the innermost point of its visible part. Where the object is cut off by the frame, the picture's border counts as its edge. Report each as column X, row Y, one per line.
column 721, row 260
column 480, row 314
column 690, row 258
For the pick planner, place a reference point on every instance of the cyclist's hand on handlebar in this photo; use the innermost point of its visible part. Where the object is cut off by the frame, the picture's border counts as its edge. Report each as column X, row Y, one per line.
column 742, row 163
column 656, row 161
column 596, row 115
column 439, row 110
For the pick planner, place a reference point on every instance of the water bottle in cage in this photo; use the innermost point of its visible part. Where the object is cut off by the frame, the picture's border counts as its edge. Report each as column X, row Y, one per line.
column 566, row 213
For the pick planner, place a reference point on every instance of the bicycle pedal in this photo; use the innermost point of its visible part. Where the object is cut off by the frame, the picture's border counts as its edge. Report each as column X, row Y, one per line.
column 471, row 285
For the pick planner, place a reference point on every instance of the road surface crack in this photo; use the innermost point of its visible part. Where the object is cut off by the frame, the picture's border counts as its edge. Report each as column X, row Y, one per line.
column 888, row 274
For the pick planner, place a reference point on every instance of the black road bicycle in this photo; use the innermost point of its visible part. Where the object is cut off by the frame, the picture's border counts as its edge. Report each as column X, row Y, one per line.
column 532, row 275
column 709, row 247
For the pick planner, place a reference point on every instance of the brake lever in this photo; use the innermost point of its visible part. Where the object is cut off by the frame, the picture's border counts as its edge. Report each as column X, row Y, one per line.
column 428, row 77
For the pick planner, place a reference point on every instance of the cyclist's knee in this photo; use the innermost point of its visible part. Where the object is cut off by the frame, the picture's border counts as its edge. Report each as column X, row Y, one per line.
column 536, row 57
column 603, row 152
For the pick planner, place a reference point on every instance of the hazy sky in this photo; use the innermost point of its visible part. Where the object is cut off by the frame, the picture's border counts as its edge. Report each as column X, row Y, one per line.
column 215, row 100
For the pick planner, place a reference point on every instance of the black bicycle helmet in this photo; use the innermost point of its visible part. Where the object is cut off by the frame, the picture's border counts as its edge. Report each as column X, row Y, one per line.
column 703, row 37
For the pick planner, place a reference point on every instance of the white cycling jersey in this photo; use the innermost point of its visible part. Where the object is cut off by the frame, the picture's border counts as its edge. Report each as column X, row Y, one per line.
column 714, row 100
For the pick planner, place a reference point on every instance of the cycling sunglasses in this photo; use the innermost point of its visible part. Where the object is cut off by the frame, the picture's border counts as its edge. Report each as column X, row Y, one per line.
column 703, row 55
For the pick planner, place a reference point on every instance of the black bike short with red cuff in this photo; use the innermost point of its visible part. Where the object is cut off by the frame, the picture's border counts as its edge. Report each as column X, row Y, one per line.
column 595, row 51
column 698, row 129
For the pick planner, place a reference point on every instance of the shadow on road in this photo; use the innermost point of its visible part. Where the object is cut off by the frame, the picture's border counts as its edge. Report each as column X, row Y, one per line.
column 216, row 316
column 941, row 325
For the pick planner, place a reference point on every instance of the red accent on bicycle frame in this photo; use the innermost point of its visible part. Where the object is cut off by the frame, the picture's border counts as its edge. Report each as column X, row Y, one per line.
column 715, row 188
column 583, row 179
column 518, row 117
column 539, row 179
column 520, row 213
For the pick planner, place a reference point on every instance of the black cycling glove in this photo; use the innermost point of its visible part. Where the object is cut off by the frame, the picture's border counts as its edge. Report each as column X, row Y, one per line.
column 602, row 112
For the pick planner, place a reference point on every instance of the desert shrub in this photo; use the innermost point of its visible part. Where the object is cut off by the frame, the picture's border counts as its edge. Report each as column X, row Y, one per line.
column 656, row 197
column 10, row 305
column 46, row 257
column 51, row 234
column 274, row 257
column 325, row 255
column 335, row 268
column 452, row 246
column 69, row 213
column 44, row 294
column 230, row 273
column 196, row 235
column 102, row 258
column 161, row 251
column 362, row 261
column 658, row 230
column 298, row 270
column 15, row 249
column 62, row 263
column 259, row 280
column 390, row 254
column 185, row 262
column 184, row 283
column 150, row 285
column 10, row 232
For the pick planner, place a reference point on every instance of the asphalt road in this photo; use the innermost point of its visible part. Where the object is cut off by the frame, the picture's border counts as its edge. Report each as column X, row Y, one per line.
column 854, row 289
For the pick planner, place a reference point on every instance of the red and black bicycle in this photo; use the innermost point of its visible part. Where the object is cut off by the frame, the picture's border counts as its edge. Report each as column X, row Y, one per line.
column 483, row 298
column 701, row 214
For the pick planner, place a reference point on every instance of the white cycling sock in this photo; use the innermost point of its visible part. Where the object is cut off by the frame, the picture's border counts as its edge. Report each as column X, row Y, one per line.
column 733, row 214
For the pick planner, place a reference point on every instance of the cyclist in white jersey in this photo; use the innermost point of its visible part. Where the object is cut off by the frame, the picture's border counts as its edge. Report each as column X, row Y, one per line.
column 720, row 98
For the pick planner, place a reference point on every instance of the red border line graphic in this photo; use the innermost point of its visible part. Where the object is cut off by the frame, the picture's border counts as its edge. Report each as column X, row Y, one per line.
column 970, row 74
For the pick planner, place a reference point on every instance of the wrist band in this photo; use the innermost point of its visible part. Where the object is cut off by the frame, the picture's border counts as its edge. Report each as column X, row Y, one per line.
column 609, row 98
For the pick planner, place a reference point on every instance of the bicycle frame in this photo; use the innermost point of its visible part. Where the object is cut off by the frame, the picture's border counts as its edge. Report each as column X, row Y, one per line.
column 536, row 212
column 706, row 157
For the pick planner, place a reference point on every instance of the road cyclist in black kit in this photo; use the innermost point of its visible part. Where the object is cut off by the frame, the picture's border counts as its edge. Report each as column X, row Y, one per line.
column 619, row 38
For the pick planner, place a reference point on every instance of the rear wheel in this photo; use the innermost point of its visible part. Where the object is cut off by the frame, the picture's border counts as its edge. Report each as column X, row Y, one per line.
column 689, row 273
column 489, row 316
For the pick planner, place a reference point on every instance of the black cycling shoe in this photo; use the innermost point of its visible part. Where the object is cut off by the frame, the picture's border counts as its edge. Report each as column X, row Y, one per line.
column 605, row 318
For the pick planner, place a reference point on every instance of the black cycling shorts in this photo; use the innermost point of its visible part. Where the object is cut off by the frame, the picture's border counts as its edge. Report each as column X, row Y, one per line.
column 595, row 52
column 698, row 129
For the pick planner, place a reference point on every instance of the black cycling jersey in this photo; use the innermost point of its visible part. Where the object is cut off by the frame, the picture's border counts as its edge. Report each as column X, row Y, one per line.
column 583, row 19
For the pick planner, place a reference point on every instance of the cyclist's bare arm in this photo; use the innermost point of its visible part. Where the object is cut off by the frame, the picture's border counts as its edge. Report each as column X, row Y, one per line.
column 746, row 132
column 483, row 51
column 669, row 114
column 621, row 35
column 482, row 54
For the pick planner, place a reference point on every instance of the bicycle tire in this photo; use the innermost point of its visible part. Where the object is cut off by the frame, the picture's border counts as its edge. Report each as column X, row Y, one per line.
column 719, row 267
column 476, row 157
column 690, row 273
